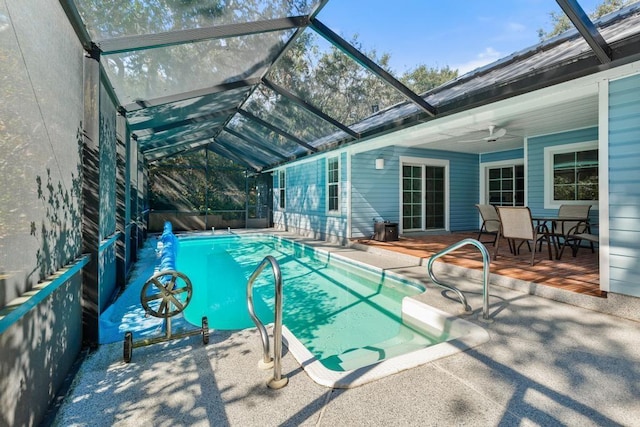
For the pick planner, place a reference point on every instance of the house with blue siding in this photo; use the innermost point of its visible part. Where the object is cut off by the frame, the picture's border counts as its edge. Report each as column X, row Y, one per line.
column 573, row 139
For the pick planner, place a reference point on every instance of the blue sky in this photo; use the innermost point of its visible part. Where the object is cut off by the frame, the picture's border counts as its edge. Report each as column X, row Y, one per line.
column 464, row 34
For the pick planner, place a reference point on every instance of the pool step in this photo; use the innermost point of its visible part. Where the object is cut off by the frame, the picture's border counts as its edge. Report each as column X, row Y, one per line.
column 406, row 341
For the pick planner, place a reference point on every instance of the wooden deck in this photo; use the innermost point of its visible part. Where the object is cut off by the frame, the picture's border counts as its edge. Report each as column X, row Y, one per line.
column 579, row 274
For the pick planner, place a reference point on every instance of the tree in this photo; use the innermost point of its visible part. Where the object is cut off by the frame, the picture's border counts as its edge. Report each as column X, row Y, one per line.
column 561, row 23
column 423, row 78
column 342, row 88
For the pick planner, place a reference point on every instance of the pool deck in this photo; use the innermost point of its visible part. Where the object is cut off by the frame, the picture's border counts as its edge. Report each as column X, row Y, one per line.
column 547, row 363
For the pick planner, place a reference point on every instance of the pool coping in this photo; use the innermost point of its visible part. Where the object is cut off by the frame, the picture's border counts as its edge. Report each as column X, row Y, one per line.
column 416, row 314
column 464, row 335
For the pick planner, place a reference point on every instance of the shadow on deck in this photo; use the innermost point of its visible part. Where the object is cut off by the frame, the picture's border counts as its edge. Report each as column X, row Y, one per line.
column 579, row 274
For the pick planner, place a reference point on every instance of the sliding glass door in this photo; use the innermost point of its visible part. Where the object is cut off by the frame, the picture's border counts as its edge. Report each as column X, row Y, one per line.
column 424, row 194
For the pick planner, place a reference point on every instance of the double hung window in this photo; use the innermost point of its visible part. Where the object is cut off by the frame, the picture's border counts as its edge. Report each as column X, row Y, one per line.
column 282, row 184
column 333, row 185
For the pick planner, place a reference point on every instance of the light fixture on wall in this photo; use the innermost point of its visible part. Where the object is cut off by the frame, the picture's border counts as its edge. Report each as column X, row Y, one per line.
column 379, row 163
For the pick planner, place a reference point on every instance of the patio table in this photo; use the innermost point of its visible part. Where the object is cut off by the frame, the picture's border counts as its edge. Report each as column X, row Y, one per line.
column 554, row 221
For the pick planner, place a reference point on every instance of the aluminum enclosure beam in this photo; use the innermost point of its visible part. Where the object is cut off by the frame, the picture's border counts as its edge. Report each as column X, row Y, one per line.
column 223, row 152
column 192, row 120
column 183, row 140
column 250, row 141
column 271, row 127
column 77, row 23
column 257, row 156
column 233, row 153
column 172, row 38
column 140, row 104
column 359, row 57
column 304, row 104
column 587, row 30
column 172, row 150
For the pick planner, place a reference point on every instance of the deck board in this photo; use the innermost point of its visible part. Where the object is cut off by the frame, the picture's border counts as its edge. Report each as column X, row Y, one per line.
column 579, row 274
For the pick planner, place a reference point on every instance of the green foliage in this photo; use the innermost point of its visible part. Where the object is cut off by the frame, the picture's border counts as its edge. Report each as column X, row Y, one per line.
column 561, row 23
column 341, row 87
column 422, row 78
column 196, row 182
column 325, row 77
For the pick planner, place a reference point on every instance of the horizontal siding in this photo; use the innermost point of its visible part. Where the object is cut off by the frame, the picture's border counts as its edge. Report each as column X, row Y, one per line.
column 464, row 191
column 624, row 185
column 622, row 287
column 306, row 187
column 535, row 163
column 306, row 201
column 376, row 193
column 624, row 225
column 500, row 156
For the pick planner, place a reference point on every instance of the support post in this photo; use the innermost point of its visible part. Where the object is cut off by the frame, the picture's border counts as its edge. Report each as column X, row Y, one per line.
column 91, row 200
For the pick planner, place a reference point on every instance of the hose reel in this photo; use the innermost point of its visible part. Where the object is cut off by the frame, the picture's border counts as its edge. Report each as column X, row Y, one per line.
column 164, row 295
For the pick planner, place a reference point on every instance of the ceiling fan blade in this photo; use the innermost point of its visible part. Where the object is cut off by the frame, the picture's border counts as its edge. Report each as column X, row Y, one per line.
column 494, row 136
column 500, row 133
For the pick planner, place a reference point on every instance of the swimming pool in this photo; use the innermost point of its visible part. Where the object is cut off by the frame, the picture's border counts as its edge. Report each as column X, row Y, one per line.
column 339, row 316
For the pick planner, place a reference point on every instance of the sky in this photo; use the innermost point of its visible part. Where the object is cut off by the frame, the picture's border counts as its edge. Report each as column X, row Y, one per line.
column 463, row 34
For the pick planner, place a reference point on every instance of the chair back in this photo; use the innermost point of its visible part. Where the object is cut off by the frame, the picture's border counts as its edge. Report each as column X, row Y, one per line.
column 516, row 222
column 574, row 211
column 489, row 217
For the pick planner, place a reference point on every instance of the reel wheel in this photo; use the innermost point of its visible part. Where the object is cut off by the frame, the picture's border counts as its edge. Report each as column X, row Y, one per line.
column 166, row 294
column 128, row 346
column 205, row 330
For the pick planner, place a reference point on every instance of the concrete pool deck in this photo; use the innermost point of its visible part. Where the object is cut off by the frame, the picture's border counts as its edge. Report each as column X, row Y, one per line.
column 547, row 363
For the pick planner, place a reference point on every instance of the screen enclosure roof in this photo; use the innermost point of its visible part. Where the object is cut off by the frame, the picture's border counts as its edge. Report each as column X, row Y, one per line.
column 265, row 82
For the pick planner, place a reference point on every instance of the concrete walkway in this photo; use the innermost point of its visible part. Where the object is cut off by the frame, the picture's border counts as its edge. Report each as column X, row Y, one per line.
column 547, row 363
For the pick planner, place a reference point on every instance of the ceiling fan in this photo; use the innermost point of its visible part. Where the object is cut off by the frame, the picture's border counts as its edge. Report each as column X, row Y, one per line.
column 495, row 134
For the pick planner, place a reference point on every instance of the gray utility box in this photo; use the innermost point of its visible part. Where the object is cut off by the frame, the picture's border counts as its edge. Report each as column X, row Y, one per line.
column 385, row 231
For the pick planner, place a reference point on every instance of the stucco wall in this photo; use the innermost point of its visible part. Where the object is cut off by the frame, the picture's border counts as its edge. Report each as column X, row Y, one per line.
column 41, row 120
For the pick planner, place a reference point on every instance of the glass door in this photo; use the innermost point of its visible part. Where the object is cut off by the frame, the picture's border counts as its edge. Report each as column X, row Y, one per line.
column 411, row 198
column 434, row 197
column 423, row 197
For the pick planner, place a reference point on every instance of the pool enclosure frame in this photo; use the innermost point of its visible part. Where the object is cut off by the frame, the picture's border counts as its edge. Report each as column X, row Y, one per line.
column 76, row 180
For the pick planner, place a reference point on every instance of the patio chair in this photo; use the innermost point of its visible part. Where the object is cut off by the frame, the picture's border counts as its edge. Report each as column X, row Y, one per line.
column 574, row 237
column 490, row 222
column 517, row 225
column 565, row 229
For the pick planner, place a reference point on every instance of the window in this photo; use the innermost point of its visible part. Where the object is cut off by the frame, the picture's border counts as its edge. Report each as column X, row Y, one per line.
column 282, row 184
column 506, row 185
column 333, row 184
column 575, row 175
column 571, row 174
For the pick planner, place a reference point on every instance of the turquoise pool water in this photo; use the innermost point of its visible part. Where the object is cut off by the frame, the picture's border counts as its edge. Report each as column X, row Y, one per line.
column 335, row 308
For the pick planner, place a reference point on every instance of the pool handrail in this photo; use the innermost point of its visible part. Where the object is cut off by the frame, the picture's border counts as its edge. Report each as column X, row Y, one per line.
column 486, row 260
column 277, row 381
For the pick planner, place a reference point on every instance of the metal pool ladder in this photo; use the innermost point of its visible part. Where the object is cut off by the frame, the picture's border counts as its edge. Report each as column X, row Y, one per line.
column 485, row 278
column 267, row 362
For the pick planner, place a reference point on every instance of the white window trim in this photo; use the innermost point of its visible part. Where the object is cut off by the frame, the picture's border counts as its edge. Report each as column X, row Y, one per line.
column 549, row 152
column 280, row 188
column 424, row 161
column 484, row 176
column 338, row 211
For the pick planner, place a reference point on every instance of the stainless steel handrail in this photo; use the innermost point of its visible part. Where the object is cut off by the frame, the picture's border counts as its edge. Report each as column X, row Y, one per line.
column 277, row 381
column 486, row 260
